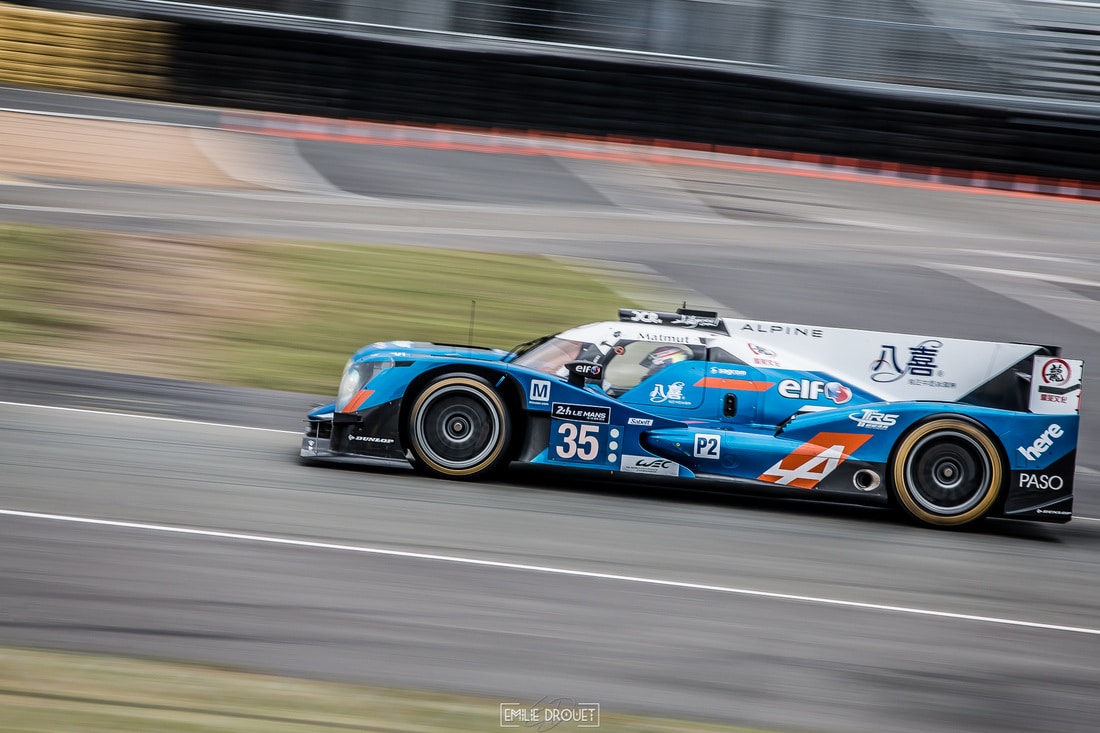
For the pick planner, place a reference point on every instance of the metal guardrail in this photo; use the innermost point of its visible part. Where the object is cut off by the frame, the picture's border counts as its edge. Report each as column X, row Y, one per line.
column 1061, row 54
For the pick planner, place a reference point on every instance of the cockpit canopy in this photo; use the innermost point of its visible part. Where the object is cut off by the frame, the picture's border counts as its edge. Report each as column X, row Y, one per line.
column 632, row 350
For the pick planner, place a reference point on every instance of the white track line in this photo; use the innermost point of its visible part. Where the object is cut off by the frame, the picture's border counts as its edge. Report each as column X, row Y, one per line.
column 150, row 417
column 1029, row 275
column 311, row 544
column 104, row 118
column 1026, row 256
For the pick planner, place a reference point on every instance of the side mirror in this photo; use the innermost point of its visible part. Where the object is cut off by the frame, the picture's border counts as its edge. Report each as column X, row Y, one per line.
column 582, row 371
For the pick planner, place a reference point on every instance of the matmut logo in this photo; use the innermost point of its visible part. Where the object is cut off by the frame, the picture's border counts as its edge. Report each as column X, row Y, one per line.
column 809, row 463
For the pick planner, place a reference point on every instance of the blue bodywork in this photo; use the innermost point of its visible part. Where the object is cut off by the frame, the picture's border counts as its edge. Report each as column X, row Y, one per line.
column 698, row 419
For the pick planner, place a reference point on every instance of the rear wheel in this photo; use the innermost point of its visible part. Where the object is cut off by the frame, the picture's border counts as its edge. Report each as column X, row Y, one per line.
column 459, row 427
column 947, row 472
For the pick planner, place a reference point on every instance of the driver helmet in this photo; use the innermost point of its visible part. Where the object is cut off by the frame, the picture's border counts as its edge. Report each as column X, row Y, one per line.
column 664, row 355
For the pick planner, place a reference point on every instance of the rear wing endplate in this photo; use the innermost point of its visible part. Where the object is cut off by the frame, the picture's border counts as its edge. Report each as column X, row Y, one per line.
column 1055, row 386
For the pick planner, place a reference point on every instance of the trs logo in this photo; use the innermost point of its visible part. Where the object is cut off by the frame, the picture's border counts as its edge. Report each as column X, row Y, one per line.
column 873, row 419
column 808, row 389
column 808, row 464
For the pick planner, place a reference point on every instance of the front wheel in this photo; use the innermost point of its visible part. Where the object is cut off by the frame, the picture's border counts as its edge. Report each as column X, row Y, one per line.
column 947, row 472
column 459, row 427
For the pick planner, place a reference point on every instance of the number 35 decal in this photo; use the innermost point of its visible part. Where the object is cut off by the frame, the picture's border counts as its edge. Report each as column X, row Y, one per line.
column 708, row 445
column 581, row 442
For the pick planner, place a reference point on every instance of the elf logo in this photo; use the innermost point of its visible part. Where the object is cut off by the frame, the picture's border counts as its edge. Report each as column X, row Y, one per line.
column 811, row 389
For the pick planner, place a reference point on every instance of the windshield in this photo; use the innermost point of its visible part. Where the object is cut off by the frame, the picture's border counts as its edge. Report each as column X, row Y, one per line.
column 552, row 355
column 526, row 346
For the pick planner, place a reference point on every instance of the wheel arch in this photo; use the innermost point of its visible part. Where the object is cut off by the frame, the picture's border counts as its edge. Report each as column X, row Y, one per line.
column 996, row 507
column 506, row 385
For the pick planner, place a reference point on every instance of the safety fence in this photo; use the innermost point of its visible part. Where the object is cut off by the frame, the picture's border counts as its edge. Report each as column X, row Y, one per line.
column 345, row 73
column 371, row 79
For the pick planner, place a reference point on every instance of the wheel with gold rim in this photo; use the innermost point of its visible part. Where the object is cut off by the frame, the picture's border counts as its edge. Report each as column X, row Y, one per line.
column 459, row 427
column 947, row 472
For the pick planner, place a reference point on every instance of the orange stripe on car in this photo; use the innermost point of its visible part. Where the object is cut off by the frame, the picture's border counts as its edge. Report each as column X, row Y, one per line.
column 743, row 385
column 357, row 400
column 809, row 463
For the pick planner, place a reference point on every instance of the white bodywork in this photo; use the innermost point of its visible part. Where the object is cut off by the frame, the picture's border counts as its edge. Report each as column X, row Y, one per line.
column 892, row 366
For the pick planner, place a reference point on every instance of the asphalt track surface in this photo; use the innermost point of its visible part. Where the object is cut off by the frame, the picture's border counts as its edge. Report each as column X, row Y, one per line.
column 782, row 614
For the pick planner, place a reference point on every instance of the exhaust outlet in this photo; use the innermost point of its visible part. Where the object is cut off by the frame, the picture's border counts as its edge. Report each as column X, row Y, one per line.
column 866, row 480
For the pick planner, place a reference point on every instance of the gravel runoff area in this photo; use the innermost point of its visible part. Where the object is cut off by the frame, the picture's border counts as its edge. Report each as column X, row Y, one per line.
column 57, row 148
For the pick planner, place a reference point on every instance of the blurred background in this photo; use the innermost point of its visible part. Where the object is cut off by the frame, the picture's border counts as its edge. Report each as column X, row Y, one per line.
column 200, row 199
column 1041, row 48
column 1006, row 86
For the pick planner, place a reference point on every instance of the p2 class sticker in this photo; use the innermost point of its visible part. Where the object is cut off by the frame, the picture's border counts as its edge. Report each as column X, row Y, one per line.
column 708, row 445
column 1055, row 386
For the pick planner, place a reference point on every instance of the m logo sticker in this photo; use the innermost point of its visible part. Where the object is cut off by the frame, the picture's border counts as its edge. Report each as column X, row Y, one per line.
column 540, row 391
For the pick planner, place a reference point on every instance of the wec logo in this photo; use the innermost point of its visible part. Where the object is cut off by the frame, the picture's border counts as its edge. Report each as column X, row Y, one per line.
column 649, row 464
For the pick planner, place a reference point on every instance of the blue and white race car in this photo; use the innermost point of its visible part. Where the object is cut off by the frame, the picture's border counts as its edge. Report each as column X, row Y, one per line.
column 949, row 430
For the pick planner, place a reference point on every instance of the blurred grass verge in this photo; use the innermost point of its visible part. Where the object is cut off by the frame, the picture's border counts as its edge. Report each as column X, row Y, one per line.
column 58, row 691
column 278, row 315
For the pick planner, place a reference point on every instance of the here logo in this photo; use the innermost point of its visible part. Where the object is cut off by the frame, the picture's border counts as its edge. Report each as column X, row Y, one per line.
column 1043, row 443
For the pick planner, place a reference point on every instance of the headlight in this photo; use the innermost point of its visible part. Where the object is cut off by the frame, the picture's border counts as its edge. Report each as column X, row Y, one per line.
column 356, row 377
column 349, row 384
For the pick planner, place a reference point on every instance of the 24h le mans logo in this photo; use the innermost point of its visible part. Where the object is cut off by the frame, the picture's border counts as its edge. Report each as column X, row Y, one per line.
column 809, row 463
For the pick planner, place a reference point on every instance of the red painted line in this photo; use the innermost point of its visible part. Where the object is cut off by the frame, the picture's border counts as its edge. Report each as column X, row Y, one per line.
column 615, row 148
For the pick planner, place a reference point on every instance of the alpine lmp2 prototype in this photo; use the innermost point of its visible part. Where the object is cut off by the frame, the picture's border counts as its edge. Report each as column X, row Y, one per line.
column 949, row 430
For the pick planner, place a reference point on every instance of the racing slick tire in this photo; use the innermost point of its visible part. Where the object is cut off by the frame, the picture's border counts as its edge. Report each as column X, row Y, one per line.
column 459, row 427
column 947, row 472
